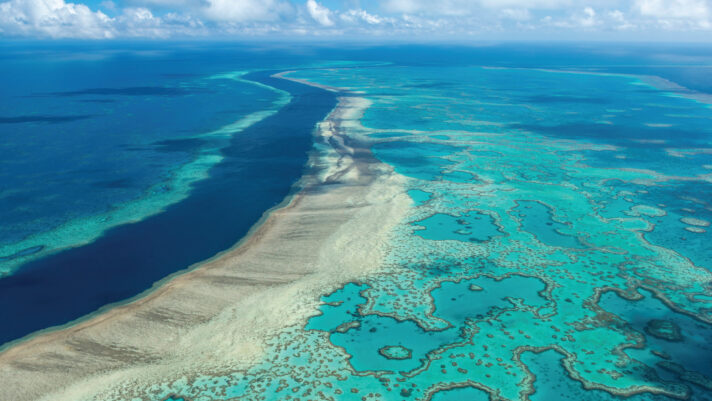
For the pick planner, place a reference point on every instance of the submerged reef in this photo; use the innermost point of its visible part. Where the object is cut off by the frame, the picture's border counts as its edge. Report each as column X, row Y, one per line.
column 664, row 329
column 396, row 352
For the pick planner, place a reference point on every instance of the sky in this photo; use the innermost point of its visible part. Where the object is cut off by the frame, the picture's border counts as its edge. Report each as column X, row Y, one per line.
column 384, row 20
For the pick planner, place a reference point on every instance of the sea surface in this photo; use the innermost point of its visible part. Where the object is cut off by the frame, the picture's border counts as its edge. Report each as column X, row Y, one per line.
column 558, row 245
column 122, row 167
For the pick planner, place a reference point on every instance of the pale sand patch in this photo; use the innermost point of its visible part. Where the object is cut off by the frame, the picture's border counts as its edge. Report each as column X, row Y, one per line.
column 675, row 90
column 215, row 318
column 697, row 230
column 695, row 222
column 644, row 210
column 688, row 152
column 651, row 141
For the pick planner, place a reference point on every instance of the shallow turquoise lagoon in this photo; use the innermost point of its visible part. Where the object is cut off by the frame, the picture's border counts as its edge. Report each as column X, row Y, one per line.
column 548, row 369
column 456, row 302
column 467, row 393
column 470, row 227
column 422, row 160
column 557, row 247
column 419, row 197
column 552, row 232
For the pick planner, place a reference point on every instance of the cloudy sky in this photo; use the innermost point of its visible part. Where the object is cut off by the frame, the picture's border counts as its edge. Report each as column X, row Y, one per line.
column 416, row 20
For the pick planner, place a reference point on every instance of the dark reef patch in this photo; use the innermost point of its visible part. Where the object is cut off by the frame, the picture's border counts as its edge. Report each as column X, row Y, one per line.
column 179, row 145
column 565, row 99
column 24, row 252
column 131, row 91
column 43, row 119
column 664, row 329
column 397, row 352
column 120, row 183
column 96, row 100
column 687, row 375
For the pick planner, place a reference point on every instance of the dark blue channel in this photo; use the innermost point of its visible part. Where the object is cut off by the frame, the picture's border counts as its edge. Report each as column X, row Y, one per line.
column 261, row 164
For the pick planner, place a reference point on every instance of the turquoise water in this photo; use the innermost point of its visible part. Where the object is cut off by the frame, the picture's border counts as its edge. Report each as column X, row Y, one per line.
column 419, row 197
column 475, row 226
column 557, row 237
column 467, row 393
column 669, row 336
column 552, row 232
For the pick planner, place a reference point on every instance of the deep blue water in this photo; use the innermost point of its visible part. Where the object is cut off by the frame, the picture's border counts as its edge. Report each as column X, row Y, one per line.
column 85, row 132
column 260, row 165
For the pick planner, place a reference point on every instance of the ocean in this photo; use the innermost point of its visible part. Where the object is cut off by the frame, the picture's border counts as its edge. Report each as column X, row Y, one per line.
column 114, row 180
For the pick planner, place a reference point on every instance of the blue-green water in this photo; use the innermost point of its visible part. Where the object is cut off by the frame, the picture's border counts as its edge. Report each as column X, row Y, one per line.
column 558, row 235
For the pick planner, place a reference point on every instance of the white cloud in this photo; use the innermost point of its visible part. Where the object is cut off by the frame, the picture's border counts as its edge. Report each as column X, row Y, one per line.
column 452, row 8
column 319, row 13
column 358, row 15
column 58, row 19
column 403, row 6
column 164, row 3
column 585, row 19
column 53, row 18
column 676, row 14
column 527, row 4
column 140, row 22
column 517, row 14
column 245, row 10
column 467, row 7
column 458, row 19
column 588, row 19
column 686, row 9
column 619, row 20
